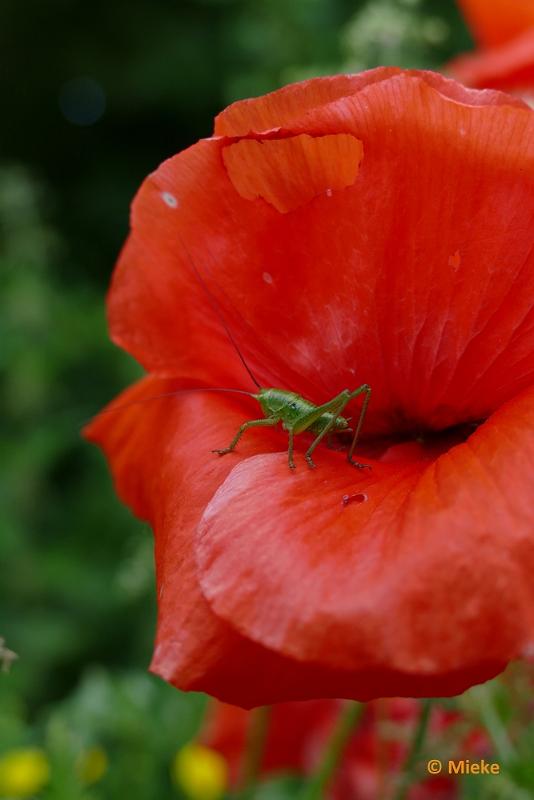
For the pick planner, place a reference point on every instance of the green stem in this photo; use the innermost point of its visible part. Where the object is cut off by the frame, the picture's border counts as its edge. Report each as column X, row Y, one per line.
column 491, row 720
column 348, row 718
column 414, row 753
column 254, row 749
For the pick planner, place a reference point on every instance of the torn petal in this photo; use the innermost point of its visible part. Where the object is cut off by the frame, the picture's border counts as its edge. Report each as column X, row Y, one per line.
column 290, row 172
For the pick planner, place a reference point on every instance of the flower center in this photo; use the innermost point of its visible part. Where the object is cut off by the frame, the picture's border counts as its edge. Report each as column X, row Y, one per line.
column 418, row 445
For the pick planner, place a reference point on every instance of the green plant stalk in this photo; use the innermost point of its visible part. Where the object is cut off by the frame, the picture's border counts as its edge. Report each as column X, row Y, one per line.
column 254, row 749
column 349, row 717
column 410, row 765
column 491, row 720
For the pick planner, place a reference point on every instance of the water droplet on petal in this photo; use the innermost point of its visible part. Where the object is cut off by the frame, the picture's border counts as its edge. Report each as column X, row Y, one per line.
column 361, row 497
column 267, row 277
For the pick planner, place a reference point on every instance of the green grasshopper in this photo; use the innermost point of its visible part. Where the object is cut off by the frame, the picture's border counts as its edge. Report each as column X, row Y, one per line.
column 294, row 412
column 298, row 415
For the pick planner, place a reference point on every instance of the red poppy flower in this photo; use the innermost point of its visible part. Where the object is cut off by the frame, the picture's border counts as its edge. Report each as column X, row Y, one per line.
column 374, row 757
column 372, row 228
column 504, row 30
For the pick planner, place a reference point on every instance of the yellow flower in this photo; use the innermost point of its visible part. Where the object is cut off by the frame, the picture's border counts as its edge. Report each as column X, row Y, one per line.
column 92, row 765
column 201, row 773
column 23, row 772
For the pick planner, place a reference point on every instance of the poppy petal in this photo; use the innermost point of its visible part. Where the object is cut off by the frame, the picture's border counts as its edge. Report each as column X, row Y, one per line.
column 156, row 276
column 322, row 164
column 426, row 297
column 433, row 571
column 159, row 453
column 281, row 109
column 297, row 102
column 158, row 449
column 423, row 310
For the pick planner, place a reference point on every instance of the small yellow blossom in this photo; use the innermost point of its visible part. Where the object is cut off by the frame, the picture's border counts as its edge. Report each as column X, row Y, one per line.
column 201, row 773
column 92, row 765
column 23, row 772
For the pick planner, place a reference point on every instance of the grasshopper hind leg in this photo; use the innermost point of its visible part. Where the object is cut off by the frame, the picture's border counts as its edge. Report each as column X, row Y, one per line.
column 358, row 464
column 367, row 390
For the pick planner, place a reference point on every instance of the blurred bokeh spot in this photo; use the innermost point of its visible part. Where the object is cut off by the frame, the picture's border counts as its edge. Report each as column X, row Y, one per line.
column 201, row 773
column 23, row 772
column 82, row 101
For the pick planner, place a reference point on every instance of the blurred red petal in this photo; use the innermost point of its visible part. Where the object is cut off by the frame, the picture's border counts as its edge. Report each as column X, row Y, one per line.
column 290, row 727
column 509, row 67
column 495, row 22
column 372, row 762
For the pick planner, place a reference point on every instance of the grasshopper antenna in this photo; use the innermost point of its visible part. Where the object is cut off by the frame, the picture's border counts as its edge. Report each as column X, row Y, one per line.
column 215, row 305
column 166, row 394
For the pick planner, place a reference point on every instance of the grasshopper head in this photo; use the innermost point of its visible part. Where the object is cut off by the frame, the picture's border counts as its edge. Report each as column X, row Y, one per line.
column 342, row 424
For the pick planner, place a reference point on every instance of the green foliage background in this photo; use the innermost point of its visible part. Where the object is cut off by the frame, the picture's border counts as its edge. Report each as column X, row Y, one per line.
column 77, row 587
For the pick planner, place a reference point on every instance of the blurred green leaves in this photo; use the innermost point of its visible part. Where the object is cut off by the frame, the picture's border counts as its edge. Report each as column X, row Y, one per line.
column 119, row 731
column 57, row 368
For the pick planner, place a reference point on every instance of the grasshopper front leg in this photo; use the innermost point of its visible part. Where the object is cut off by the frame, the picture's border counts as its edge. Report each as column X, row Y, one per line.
column 253, row 423
column 290, row 460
